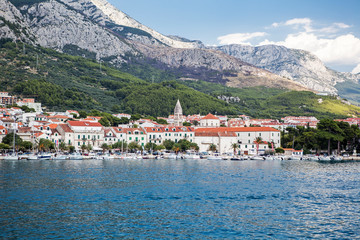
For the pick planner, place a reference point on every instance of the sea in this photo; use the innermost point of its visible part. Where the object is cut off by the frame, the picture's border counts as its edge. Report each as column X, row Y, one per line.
column 179, row 199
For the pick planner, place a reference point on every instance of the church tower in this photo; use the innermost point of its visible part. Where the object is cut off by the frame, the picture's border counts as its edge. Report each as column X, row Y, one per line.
column 178, row 115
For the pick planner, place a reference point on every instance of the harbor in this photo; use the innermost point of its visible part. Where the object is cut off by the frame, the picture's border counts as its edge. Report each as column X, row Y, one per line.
column 167, row 199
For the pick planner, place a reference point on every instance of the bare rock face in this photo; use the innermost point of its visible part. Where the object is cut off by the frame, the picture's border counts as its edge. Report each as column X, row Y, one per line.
column 298, row 65
column 12, row 24
column 57, row 25
column 243, row 74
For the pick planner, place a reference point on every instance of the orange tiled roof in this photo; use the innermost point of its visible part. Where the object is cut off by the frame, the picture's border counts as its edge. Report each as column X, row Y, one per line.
column 210, row 116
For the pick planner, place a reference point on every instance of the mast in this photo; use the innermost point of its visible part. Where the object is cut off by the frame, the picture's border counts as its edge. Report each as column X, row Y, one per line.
column 14, row 135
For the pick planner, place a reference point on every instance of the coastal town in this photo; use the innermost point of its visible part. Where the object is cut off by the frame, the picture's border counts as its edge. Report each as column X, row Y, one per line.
column 239, row 135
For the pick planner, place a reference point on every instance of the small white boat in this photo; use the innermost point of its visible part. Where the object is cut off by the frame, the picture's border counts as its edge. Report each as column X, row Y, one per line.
column 214, row 157
column 75, row 156
column 11, row 157
column 32, row 157
column 257, row 158
column 324, row 158
column 191, row 156
column 172, row 156
column 336, row 158
column 60, row 157
column 44, row 156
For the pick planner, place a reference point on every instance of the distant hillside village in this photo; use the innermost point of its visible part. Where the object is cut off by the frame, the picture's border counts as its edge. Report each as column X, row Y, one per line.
column 208, row 132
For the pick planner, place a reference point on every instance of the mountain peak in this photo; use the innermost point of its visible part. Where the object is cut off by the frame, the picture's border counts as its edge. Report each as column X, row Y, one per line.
column 122, row 19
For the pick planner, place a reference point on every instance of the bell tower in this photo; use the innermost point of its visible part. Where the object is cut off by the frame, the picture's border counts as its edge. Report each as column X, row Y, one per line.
column 178, row 114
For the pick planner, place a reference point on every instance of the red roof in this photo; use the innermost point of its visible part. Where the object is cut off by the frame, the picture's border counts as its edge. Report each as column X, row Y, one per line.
column 210, row 116
column 237, row 129
column 65, row 127
column 84, row 124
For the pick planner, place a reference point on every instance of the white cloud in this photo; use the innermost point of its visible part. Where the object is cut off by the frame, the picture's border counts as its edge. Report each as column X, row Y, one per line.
column 344, row 49
column 356, row 69
column 239, row 38
column 333, row 43
column 298, row 21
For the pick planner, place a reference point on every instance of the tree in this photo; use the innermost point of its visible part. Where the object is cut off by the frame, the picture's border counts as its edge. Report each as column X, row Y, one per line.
column 46, row 145
column 159, row 147
column 83, row 148
column 235, row 146
column 124, row 120
column 329, row 130
column 4, row 146
column 258, row 141
column 9, row 140
column 186, row 124
column 71, row 149
column 150, row 146
column 62, row 146
column 161, row 121
column 89, row 147
column 212, row 148
column 26, row 145
column 168, row 144
column 104, row 147
column 279, row 150
column 120, row 145
column 135, row 117
column 105, row 122
column 133, row 146
column 82, row 114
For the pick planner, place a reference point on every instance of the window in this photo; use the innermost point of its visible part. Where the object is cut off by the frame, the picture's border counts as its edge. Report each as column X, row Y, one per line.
column 130, row 138
column 142, row 138
column 78, row 136
column 88, row 136
column 249, row 134
column 260, row 134
column 245, row 146
column 78, row 143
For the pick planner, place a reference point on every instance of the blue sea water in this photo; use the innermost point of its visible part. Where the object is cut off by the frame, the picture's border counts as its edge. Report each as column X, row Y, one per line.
column 179, row 199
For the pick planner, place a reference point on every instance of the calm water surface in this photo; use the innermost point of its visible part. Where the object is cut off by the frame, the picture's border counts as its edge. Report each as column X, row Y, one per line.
column 166, row 199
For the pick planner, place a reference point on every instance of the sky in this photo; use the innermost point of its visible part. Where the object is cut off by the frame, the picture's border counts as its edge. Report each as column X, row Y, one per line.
column 330, row 29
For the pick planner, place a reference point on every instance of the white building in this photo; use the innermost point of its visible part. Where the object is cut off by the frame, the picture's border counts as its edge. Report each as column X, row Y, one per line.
column 246, row 137
column 210, row 121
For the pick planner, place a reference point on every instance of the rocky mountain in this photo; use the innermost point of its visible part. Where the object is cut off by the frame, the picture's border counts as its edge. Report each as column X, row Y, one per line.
column 12, row 24
column 94, row 26
column 301, row 66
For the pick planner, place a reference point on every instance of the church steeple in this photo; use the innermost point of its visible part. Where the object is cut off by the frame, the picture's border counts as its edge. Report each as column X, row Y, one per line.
column 178, row 114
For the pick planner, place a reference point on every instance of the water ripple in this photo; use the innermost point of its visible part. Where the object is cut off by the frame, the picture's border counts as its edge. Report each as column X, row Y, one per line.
column 179, row 199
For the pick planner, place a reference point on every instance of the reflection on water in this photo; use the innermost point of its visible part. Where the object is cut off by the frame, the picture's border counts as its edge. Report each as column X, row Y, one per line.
column 179, row 199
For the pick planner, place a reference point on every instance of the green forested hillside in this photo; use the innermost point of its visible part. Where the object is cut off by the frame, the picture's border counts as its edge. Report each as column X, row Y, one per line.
column 276, row 103
column 62, row 81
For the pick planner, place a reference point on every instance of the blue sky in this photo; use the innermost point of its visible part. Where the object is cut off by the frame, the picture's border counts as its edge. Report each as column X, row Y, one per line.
column 330, row 29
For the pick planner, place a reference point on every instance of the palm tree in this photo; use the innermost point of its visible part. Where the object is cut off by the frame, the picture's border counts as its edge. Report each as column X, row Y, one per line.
column 104, row 147
column 83, row 148
column 235, row 146
column 258, row 141
column 212, row 148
